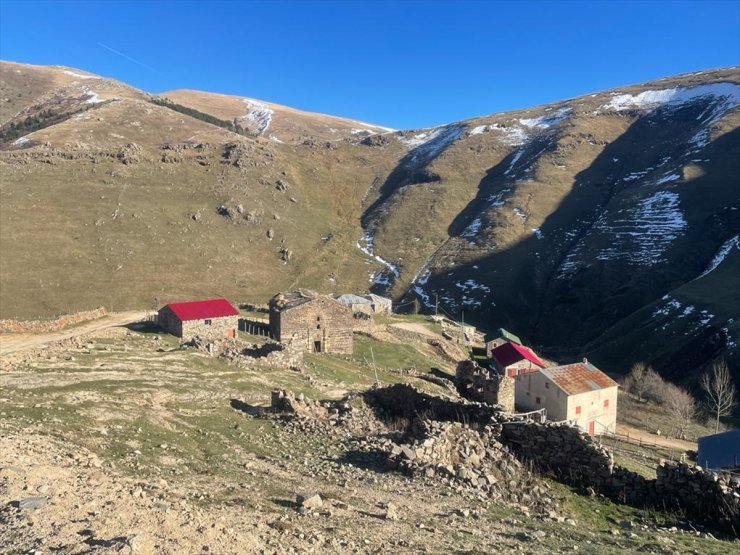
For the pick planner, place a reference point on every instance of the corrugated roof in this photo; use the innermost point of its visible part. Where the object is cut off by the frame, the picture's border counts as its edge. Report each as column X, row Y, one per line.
column 351, row 298
column 578, row 378
column 198, row 310
column 505, row 334
column 511, row 353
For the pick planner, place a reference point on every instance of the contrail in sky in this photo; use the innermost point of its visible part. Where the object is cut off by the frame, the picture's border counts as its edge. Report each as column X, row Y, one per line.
column 129, row 58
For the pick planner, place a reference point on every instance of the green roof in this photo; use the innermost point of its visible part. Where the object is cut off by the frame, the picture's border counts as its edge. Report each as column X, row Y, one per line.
column 502, row 333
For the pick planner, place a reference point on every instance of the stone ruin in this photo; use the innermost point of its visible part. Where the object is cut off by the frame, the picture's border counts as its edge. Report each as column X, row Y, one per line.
column 273, row 354
column 478, row 384
column 481, row 448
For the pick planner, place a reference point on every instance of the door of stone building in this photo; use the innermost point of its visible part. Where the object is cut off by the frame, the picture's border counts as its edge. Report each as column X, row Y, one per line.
column 317, row 346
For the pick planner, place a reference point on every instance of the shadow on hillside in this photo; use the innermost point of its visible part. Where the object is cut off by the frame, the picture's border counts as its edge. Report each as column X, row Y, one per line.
column 561, row 314
column 246, row 408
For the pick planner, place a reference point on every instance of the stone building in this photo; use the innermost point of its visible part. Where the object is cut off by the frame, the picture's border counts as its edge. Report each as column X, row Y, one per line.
column 498, row 338
column 380, row 305
column 358, row 305
column 511, row 359
column 208, row 320
column 580, row 393
column 318, row 322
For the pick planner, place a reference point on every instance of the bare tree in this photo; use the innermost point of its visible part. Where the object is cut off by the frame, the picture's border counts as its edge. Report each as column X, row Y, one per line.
column 681, row 405
column 635, row 380
column 721, row 393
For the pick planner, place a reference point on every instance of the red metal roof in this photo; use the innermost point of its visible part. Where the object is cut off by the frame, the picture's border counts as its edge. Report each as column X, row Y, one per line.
column 511, row 353
column 197, row 310
column 578, row 378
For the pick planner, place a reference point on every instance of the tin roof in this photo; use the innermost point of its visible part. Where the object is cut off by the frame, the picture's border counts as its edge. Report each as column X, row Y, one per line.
column 578, row 378
column 505, row 334
column 511, row 353
column 351, row 298
column 198, row 310
column 720, row 450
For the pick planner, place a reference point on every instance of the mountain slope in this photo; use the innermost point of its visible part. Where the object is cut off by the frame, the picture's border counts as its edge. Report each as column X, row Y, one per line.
column 279, row 123
column 604, row 225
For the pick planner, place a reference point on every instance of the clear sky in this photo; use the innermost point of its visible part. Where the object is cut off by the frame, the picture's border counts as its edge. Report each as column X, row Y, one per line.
column 400, row 64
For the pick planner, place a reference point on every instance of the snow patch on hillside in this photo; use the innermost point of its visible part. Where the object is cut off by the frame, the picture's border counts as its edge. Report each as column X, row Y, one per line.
column 259, row 115
column 724, row 250
column 93, row 96
column 638, row 235
column 646, row 100
column 383, row 277
column 546, row 121
column 79, row 75
column 643, row 234
column 431, row 142
column 472, row 229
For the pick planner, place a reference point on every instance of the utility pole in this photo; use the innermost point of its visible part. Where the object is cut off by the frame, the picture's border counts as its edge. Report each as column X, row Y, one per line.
column 462, row 327
column 436, row 304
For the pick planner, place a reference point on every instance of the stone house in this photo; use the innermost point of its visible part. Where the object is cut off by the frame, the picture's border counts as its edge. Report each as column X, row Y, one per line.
column 358, row 305
column 498, row 338
column 210, row 319
column 380, row 305
column 580, row 393
column 511, row 359
column 319, row 323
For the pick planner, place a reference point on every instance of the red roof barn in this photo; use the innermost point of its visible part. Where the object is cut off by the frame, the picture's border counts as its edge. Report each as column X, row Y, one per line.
column 512, row 359
column 209, row 319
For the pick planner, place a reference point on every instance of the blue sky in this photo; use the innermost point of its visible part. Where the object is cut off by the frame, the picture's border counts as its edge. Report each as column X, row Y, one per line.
column 401, row 64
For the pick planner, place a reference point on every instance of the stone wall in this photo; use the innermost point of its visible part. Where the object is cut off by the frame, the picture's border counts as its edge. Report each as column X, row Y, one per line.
column 565, row 451
column 209, row 328
column 272, row 354
column 574, row 457
column 478, row 384
column 43, row 326
column 405, row 401
column 320, row 321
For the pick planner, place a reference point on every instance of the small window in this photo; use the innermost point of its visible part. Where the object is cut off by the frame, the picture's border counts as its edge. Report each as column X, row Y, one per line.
column 537, row 400
column 606, row 403
column 578, row 409
column 547, row 385
column 208, row 322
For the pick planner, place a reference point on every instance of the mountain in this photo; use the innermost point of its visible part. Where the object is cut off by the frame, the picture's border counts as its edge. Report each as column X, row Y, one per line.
column 606, row 225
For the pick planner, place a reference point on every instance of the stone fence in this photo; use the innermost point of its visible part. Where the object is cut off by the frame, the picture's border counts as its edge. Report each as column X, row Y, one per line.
column 43, row 326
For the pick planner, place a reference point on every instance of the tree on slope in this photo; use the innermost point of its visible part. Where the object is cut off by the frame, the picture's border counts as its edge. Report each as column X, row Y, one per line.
column 682, row 406
column 720, row 391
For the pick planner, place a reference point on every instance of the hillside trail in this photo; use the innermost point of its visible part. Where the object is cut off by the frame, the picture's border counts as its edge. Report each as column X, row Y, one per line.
column 653, row 439
column 418, row 328
column 14, row 342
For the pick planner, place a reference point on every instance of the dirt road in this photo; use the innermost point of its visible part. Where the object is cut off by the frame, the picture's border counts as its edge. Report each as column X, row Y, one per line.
column 13, row 342
column 417, row 328
column 652, row 439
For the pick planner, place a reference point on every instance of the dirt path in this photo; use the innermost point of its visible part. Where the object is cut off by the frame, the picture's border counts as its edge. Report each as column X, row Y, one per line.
column 13, row 342
column 418, row 328
column 652, row 439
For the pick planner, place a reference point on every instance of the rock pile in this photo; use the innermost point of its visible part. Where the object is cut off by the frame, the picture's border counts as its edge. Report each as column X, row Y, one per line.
column 461, row 456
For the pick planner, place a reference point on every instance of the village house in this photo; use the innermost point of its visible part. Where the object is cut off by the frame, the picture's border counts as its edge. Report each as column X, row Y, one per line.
column 366, row 304
column 319, row 323
column 380, row 305
column 511, row 359
column 580, row 393
column 208, row 320
column 357, row 304
column 498, row 338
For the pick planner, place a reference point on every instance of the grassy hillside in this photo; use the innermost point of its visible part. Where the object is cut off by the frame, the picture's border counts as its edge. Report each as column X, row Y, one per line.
column 567, row 223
